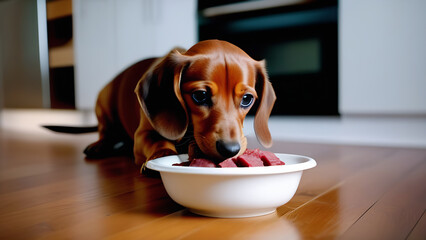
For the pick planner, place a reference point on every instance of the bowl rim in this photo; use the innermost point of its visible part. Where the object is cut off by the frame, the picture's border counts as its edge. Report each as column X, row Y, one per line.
column 293, row 163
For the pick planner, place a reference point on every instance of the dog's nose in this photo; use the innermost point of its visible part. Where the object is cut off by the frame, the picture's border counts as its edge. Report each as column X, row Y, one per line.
column 227, row 149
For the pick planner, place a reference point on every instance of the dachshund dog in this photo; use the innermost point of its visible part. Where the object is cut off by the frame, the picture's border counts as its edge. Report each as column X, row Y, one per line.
column 202, row 94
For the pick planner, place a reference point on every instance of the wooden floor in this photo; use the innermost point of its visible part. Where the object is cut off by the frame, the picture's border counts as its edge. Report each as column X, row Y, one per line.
column 49, row 191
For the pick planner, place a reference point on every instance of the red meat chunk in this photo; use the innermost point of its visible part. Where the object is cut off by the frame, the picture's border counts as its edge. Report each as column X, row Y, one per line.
column 228, row 163
column 253, row 152
column 246, row 160
column 270, row 159
column 202, row 162
column 250, row 158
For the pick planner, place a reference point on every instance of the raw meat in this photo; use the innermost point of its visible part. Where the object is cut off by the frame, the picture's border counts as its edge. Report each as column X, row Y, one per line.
column 228, row 163
column 247, row 160
column 250, row 158
column 270, row 159
column 202, row 162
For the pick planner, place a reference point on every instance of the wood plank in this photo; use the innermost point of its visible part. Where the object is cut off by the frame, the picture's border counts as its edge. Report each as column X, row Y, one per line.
column 331, row 214
column 85, row 208
column 397, row 211
column 419, row 230
column 265, row 227
column 333, row 168
column 173, row 226
column 100, row 227
column 86, row 183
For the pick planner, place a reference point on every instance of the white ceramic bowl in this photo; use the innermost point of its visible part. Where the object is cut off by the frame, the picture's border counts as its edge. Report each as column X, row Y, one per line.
column 231, row 192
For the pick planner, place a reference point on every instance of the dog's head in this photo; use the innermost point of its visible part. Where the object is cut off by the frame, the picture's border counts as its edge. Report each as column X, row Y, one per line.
column 212, row 86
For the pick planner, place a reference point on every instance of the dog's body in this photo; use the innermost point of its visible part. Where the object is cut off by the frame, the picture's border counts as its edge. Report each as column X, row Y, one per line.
column 204, row 92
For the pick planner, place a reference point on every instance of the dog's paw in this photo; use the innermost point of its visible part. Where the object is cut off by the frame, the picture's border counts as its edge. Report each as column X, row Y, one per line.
column 149, row 172
column 97, row 150
column 103, row 149
column 161, row 153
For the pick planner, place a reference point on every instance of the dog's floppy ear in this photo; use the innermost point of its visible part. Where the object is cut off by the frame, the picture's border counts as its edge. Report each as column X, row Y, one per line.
column 159, row 95
column 267, row 98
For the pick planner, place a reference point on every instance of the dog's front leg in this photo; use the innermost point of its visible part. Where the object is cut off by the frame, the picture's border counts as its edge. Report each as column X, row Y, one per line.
column 148, row 144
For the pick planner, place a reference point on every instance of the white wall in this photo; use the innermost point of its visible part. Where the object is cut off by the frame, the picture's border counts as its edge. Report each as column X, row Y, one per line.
column 382, row 57
column 110, row 35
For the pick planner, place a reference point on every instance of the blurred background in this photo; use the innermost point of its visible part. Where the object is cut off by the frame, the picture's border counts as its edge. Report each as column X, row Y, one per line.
column 344, row 71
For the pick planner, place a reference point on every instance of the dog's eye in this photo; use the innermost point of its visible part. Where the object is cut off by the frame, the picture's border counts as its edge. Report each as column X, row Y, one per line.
column 247, row 100
column 201, row 97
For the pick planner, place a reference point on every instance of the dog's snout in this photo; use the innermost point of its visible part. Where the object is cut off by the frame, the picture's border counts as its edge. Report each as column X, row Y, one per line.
column 227, row 149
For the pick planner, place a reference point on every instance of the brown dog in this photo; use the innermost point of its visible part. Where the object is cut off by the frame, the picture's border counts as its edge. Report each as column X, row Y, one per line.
column 205, row 93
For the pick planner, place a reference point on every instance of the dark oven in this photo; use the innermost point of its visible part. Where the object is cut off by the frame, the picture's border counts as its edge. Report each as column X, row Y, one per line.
column 298, row 40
